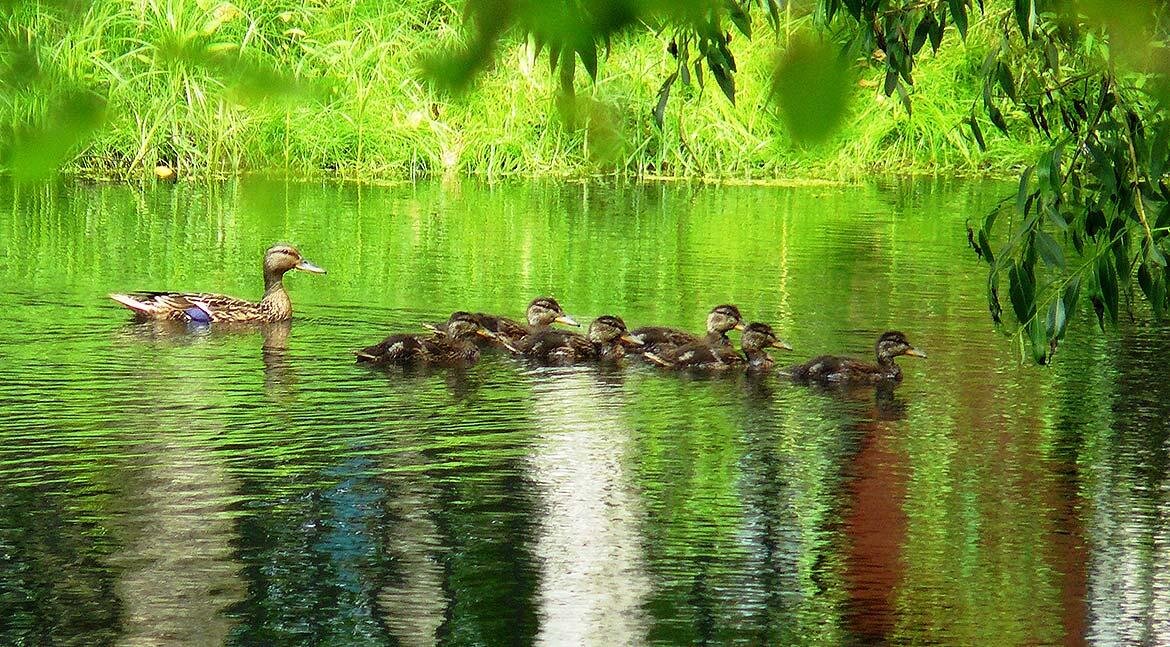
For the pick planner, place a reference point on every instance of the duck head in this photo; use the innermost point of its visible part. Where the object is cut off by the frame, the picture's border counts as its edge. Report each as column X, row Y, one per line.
column 608, row 329
column 545, row 311
column 464, row 325
column 282, row 258
column 724, row 318
column 892, row 344
column 758, row 336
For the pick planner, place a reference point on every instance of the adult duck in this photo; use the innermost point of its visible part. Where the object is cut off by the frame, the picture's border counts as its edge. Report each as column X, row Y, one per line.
column 206, row 307
column 833, row 369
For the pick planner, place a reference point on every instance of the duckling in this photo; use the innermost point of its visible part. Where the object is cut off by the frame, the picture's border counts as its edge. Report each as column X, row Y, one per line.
column 605, row 341
column 451, row 347
column 720, row 320
column 834, row 369
column 707, row 357
column 756, row 337
column 204, row 307
column 542, row 312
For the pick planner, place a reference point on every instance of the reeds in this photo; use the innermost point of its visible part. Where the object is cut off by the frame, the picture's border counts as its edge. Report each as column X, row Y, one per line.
column 335, row 88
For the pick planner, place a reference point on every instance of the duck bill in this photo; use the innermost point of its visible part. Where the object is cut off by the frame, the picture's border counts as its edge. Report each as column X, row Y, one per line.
column 567, row 320
column 781, row 344
column 306, row 266
column 630, row 340
column 487, row 334
column 740, row 327
column 914, row 352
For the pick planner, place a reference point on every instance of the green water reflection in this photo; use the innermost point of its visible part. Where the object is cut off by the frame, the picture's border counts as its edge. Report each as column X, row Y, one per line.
column 254, row 486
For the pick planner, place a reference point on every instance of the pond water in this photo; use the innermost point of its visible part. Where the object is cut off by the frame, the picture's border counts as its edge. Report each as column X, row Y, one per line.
column 256, row 487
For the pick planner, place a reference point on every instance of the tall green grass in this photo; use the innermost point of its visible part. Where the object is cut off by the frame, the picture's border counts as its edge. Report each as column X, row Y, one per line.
column 334, row 87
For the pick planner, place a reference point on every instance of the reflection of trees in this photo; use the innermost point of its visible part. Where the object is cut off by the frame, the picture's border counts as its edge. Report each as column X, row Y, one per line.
column 56, row 586
column 1125, row 479
column 593, row 579
column 176, row 572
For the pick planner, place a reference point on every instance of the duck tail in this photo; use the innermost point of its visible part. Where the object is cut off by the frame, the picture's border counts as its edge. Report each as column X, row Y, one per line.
column 139, row 307
column 655, row 359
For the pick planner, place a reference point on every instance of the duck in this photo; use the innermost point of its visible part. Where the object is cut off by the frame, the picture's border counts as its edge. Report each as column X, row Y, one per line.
column 605, row 341
column 207, row 308
column 832, row 369
column 452, row 346
column 720, row 320
column 702, row 356
column 542, row 312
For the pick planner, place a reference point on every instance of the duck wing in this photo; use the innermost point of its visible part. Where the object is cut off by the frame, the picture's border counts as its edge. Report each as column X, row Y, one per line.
column 832, row 368
column 395, row 349
column 551, row 346
column 656, row 338
column 696, row 356
column 186, row 306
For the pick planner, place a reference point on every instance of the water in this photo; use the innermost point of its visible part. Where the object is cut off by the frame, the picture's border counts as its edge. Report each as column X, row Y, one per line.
column 256, row 487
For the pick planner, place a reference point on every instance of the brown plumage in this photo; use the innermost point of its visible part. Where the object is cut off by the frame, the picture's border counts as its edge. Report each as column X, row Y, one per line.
column 451, row 347
column 836, row 369
column 541, row 313
column 702, row 356
column 606, row 341
column 720, row 321
column 208, row 307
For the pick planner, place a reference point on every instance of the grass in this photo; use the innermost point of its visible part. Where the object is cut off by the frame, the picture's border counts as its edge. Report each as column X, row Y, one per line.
column 316, row 88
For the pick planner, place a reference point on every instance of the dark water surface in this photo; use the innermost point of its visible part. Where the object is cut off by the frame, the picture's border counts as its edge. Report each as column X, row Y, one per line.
column 255, row 487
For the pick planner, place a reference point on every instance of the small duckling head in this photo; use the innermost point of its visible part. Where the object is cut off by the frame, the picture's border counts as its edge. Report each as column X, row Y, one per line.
column 608, row 329
column 892, row 344
column 464, row 325
column 724, row 318
column 281, row 258
column 545, row 311
column 758, row 336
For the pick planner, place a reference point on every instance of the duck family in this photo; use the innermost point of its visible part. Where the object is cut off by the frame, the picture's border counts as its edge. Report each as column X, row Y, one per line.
column 460, row 339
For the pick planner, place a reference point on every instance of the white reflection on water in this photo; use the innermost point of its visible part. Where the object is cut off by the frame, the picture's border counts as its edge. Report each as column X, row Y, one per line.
column 414, row 608
column 593, row 571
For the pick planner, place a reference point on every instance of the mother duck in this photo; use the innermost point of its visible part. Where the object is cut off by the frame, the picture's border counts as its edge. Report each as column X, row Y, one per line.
column 207, row 307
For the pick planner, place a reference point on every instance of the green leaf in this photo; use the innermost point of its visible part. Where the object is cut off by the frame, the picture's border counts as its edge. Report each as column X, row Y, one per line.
column 1057, row 318
column 997, row 119
column 977, row 132
column 1038, row 339
column 1072, row 293
column 985, row 245
column 722, row 77
column 1022, row 290
column 1023, row 193
column 959, row 15
column 1022, row 10
column 921, row 33
column 812, row 86
column 1006, row 81
column 1107, row 279
column 1050, row 250
column 739, row 18
column 663, row 97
